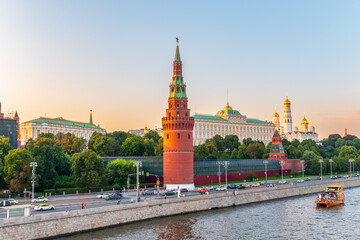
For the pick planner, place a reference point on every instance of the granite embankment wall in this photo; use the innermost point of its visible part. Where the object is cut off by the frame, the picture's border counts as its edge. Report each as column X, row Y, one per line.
column 65, row 223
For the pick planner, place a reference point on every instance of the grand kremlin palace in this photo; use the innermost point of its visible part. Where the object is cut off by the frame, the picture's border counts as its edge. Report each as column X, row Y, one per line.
column 231, row 122
column 33, row 128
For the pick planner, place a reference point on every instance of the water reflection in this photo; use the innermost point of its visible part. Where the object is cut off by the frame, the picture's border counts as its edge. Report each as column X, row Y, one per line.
column 180, row 229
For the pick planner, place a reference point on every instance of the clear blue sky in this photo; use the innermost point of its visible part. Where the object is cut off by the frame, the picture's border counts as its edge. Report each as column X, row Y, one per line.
column 63, row 58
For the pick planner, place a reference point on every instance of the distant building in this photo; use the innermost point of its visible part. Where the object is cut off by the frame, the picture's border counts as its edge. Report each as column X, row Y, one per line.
column 230, row 122
column 287, row 131
column 9, row 128
column 141, row 132
column 33, row 128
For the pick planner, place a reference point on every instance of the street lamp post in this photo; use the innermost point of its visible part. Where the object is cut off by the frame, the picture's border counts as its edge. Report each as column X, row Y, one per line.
column 302, row 167
column 33, row 165
column 226, row 164
column 321, row 161
column 266, row 162
column 351, row 161
column 219, row 173
column 137, row 164
column 330, row 161
column 282, row 171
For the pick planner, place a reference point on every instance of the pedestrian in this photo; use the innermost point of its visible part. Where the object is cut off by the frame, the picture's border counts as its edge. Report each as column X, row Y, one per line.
column 131, row 200
column 165, row 196
column 82, row 205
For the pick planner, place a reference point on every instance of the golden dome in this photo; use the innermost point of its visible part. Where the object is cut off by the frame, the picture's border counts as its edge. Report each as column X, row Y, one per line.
column 304, row 121
column 287, row 101
column 275, row 114
column 227, row 107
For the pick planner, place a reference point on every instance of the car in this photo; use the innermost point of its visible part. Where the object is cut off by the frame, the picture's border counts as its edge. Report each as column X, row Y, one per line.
column 204, row 190
column 255, row 185
column 240, row 186
column 103, row 195
column 169, row 193
column 40, row 199
column 247, row 185
column 13, row 201
column 300, row 180
column 184, row 190
column 346, row 176
column 261, row 183
column 114, row 196
column 318, row 178
column 5, row 203
column 43, row 207
column 148, row 192
column 282, row 181
column 231, row 186
column 333, row 177
column 307, row 179
column 221, row 188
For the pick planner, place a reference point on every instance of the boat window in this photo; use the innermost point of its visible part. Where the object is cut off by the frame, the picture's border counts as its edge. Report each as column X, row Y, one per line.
column 333, row 189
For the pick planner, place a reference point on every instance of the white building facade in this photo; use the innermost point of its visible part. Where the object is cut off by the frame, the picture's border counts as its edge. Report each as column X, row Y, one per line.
column 287, row 131
column 231, row 122
column 33, row 128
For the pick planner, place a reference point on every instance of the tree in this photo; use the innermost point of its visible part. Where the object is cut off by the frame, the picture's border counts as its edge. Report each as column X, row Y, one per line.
column 103, row 146
column 251, row 177
column 219, row 143
column 242, row 152
column 5, row 147
column 348, row 152
column 52, row 161
column 17, row 169
column 69, row 143
column 117, row 138
column 231, row 142
column 149, row 146
column 159, row 149
column 133, row 146
column 312, row 165
column 88, row 168
column 118, row 170
column 152, row 135
column 255, row 150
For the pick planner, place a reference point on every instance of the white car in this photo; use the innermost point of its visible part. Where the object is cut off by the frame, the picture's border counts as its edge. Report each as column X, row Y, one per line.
column 282, row 181
column 300, row 180
column 103, row 195
column 221, row 189
column 13, row 201
column 40, row 199
column 42, row 207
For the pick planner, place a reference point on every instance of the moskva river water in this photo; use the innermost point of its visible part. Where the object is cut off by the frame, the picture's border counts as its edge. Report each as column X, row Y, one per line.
column 294, row 218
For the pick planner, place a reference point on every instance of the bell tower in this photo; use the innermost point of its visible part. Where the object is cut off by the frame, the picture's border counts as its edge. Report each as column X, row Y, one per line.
column 178, row 157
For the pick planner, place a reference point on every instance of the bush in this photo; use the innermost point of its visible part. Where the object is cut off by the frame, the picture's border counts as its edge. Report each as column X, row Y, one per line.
column 294, row 173
column 277, row 175
column 251, row 177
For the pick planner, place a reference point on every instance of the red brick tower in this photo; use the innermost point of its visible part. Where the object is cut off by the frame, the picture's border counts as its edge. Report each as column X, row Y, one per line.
column 178, row 133
column 277, row 151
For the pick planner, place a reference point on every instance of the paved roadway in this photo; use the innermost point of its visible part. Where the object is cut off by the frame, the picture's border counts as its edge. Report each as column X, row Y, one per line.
column 69, row 203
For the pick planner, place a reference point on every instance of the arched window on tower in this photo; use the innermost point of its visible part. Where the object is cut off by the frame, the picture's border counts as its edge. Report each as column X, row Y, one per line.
column 167, row 136
column 189, row 136
column 178, row 114
column 169, row 115
column 178, row 135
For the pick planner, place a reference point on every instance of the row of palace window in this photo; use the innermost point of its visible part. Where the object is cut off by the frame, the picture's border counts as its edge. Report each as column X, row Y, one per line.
column 39, row 131
column 214, row 127
column 254, row 137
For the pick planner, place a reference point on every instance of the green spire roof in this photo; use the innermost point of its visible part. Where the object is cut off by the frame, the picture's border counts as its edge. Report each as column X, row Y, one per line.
column 177, row 53
column 91, row 121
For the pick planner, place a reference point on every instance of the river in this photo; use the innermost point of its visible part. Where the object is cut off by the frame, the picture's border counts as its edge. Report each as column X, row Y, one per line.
column 293, row 218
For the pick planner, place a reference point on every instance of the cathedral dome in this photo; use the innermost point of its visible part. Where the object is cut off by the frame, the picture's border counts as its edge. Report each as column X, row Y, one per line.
column 304, row 121
column 275, row 114
column 287, row 101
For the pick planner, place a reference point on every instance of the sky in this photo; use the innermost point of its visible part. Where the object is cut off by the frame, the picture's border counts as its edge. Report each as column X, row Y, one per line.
column 65, row 58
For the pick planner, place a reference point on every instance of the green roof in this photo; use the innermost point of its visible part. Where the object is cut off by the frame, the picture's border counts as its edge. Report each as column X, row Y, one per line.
column 209, row 117
column 250, row 120
column 61, row 121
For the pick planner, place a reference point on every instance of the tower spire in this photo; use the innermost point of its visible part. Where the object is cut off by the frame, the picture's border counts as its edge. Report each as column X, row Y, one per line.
column 91, row 121
column 177, row 53
column 177, row 87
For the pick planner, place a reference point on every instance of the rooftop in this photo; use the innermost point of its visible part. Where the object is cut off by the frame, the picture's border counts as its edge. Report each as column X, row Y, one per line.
column 61, row 121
